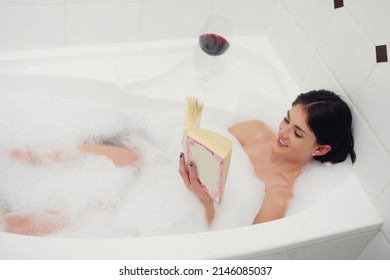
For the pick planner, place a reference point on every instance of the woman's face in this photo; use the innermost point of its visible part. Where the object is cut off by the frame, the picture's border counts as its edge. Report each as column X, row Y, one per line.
column 295, row 139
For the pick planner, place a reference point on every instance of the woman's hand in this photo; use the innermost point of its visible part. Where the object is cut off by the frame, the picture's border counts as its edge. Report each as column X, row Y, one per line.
column 192, row 183
column 191, row 180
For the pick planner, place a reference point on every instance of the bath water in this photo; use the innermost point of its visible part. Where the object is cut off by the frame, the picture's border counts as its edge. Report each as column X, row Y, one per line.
column 148, row 198
column 98, row 198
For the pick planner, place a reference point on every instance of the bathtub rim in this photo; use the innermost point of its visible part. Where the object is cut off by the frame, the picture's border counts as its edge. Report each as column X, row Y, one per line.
column 219, row 244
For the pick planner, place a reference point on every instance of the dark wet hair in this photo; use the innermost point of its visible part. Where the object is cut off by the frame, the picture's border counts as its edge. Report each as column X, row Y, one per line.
column 330, row 119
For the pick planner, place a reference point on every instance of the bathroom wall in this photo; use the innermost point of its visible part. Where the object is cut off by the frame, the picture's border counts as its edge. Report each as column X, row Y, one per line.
column 335, row 44
column 26, row 24
column 345, row 46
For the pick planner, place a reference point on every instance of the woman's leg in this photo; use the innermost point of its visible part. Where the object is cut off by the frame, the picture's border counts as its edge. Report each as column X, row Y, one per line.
column 120, row 156
column 33, row 223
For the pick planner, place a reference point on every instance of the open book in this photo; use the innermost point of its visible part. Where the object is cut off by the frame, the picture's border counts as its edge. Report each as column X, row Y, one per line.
column 210, row 151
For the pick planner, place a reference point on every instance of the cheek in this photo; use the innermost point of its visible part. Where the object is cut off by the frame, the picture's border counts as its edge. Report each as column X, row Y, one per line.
column 303, row 145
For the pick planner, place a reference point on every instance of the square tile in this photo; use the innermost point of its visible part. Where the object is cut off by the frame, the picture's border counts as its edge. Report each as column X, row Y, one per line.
column 348, row 52
column 374, row 102
column 319, row 77
column 383, row 206
column 312, row 17
column 173, row 19
column 26, row 27
column 19, row 3
column 292, row 46
column 90, row 22
column 372, row 161
column 247, row 16
column 373, row 17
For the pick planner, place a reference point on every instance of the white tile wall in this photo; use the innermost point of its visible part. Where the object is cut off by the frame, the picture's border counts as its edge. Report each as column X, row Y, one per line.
column 313, row 19
column 93, row 21
column 319, row 76
column 344, row 41
column 347, row 51
column 30, row 2
column 31, row 26
column 253, row 16
column 383, row 207
column 161, row 21
column 373, row 18
column 374, row 101
column 26, row 24
column 372, row 163
column 287, row 38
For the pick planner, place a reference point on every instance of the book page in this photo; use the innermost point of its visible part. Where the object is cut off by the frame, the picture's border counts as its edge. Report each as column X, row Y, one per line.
column 192, row 114
column 209, row 168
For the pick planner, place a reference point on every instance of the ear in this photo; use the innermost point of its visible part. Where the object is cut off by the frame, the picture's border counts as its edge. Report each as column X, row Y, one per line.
column 322, row 150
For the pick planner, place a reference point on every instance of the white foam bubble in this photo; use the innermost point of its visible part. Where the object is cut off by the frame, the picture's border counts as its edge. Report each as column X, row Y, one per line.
column 149, row 198
column 98, row 198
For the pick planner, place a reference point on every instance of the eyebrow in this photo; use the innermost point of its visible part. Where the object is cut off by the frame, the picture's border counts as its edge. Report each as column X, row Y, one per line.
column 297, row 127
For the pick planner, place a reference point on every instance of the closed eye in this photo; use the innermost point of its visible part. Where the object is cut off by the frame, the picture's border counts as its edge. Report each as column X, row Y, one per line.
column 297, row 130
column 297, row 134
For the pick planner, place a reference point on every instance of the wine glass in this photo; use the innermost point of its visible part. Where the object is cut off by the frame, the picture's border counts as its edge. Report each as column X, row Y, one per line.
column 215, row 35
column 214, row 41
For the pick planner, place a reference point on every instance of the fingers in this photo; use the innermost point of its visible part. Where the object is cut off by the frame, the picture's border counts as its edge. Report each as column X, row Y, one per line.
column 191, row 180
column 183, row 171
column 189, row 175
column 192, row 174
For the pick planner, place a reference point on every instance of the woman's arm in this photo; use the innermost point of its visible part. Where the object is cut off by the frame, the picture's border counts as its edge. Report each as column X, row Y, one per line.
column 191, row 181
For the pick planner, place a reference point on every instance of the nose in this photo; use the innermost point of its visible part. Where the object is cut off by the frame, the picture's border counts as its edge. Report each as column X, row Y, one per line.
column 284, row 130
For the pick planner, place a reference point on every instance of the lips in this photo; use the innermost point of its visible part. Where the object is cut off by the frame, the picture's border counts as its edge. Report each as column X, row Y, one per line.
column 281, row 143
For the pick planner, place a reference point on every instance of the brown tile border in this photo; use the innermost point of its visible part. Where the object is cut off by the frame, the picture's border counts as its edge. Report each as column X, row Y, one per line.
column 381, row 53
column 338, row 4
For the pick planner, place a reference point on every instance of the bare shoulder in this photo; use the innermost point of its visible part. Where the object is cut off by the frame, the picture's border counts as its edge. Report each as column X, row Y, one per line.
column 257, row 124
column 251, row 131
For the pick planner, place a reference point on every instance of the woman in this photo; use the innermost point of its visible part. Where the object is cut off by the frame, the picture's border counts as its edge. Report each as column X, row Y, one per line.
column 318, row 126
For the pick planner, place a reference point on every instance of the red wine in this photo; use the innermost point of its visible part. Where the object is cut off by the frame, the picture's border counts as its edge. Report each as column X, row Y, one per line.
column 213, row 44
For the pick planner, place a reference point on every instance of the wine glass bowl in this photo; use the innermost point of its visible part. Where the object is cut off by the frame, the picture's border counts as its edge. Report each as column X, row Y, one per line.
column 213, row 44
column 215, row 35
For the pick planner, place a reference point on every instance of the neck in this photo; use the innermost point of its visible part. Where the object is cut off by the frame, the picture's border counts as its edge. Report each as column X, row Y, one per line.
column 286, row 166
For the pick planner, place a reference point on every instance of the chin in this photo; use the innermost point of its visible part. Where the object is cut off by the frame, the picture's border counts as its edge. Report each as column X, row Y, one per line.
column 276, row 149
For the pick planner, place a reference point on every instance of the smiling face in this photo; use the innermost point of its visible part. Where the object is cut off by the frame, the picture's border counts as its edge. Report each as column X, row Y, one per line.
column 295, row 140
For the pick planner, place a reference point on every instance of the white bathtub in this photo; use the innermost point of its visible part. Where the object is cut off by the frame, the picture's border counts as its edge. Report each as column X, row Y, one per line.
column 340, row 225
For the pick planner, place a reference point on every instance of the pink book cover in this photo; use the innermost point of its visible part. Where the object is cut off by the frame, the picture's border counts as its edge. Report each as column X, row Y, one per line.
column 210, row 168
